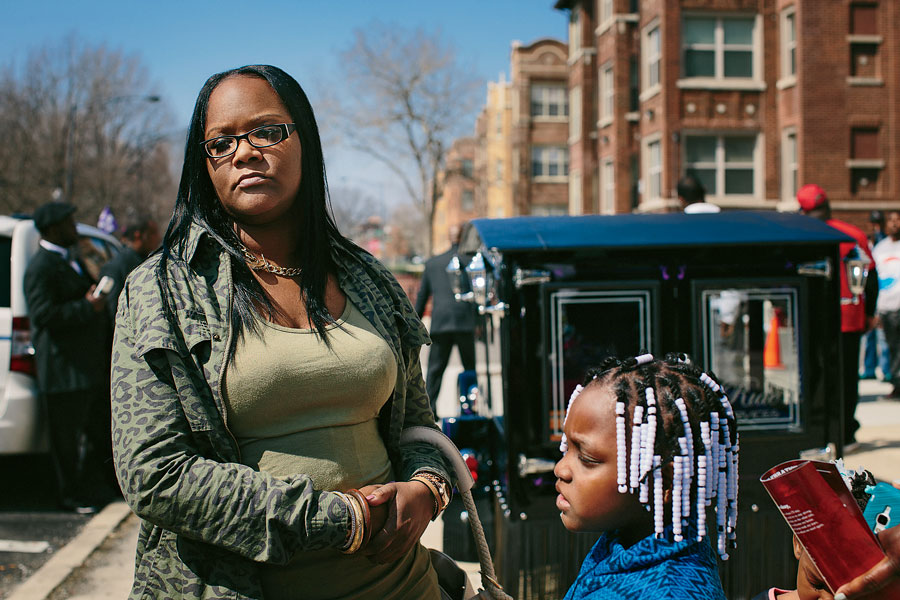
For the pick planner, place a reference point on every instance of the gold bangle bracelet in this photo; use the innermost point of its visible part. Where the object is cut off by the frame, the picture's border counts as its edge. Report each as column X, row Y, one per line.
column 357, row 525
column 435, row 495
column 440, row 485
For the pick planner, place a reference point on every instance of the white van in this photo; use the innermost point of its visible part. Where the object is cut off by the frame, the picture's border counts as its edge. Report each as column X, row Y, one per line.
column 21, row 428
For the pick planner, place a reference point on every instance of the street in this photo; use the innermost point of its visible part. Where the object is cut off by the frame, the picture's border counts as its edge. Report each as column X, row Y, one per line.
column 105, row 568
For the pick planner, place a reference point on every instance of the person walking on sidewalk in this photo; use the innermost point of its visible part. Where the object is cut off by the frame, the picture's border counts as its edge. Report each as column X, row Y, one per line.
column 452, row 322
column 857, row 315
column 71, row 345
column 887, row 261
column 875, row 348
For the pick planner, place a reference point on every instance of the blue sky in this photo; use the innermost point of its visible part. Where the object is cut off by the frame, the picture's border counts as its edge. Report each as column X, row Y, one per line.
column 174, row 39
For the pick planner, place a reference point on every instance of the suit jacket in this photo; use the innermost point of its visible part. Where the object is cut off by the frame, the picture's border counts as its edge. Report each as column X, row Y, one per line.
column 447, row 315
column 71, row 339
column 118, row 269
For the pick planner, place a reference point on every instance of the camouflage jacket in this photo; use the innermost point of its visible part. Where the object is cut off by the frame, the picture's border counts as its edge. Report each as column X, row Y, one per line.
column 206, row 518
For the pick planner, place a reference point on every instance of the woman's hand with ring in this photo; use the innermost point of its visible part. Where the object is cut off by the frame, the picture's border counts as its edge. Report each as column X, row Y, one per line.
column 407, row 507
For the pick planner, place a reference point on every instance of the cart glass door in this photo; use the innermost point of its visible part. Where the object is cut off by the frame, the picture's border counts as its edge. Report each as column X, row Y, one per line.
column 588, row 325
column 750, row 339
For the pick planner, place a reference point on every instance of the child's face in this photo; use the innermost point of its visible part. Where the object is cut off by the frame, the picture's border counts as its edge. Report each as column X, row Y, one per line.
column 589, row 499
column 810, row 583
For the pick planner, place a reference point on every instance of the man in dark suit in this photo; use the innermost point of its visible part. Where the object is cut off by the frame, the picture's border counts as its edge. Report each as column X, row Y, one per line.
column 70, row 335
column 452, row 322
column 139, row 239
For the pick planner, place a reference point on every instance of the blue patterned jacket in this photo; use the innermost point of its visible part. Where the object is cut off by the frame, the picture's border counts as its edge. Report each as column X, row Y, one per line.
column 657, row 569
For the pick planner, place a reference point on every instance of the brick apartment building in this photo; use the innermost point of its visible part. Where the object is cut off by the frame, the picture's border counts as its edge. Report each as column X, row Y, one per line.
column 457, row 185
column 540, row 128
column 493, row 152
column 520, row 154
column 755, row 97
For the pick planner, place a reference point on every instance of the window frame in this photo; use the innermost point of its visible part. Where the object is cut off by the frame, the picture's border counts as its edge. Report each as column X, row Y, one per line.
column 575, row 112
column 544, row 150
column 651, row 88
column 718, row 80
column 607, row 186
column 545, row 101
column 606, row 93
column 649, row 172
column 720, row 165
column 788, row 61
column 790, row 167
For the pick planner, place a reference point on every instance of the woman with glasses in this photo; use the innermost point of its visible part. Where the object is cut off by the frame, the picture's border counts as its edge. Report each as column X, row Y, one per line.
column 263, row 369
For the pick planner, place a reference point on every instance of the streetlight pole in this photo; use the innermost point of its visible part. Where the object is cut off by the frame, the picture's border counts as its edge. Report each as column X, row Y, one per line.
column 70, row 136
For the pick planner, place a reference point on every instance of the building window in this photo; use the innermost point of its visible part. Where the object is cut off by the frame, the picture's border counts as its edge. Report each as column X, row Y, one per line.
column 467, row 201
column 864, row 180
column 718, row 47
column 468, row 168
column 864, row 61
column 575, row 116
column 789, row 168
column 724, row 164
column 549, row 162
column 606, row 11
column 549, row 100
column 498, row 171
column 864, row 19
column 607, row 94
column 652, row 56
column 654, row 170
column 549, row 210
column 574, row 30
column 575, row 194
column 498, row 124
column 864, row 143
column 788, row 43
column 608, row 187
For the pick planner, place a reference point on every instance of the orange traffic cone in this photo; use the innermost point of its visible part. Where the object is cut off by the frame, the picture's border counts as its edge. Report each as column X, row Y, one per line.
column 772, row 349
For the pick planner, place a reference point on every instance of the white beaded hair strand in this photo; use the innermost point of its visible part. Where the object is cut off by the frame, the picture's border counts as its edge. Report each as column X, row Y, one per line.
column 621, row 449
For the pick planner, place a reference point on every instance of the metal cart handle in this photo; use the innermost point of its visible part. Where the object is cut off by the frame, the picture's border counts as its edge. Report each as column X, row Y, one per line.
column 464, row 484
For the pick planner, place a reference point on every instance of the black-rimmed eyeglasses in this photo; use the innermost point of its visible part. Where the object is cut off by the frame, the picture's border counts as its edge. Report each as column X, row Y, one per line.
column 261, row 137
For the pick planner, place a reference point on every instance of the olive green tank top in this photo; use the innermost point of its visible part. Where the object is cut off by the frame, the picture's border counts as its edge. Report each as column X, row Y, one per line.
column 297, row 406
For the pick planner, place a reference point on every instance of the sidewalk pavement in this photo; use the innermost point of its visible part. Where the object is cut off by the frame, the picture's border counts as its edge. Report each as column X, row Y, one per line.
column 879, row 432
column 99, row 563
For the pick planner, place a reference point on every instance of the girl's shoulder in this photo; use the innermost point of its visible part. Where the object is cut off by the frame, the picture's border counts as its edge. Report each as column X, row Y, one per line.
column 670, row 571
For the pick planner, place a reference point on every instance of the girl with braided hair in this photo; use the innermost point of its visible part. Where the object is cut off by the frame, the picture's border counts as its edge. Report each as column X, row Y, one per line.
column 649, row 448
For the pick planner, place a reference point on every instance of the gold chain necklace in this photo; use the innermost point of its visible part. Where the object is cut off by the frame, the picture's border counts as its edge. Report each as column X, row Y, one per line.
column 261, row 263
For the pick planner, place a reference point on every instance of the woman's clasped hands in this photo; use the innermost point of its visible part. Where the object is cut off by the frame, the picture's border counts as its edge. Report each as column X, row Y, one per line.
column 400, row 512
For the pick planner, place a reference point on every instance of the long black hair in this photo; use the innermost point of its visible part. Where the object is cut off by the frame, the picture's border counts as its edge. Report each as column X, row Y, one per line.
column 197, row 202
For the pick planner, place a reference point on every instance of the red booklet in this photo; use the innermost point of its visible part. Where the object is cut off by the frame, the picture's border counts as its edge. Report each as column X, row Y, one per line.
column 821, row 511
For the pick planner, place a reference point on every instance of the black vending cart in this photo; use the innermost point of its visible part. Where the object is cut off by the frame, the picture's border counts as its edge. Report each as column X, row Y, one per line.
column 753, row 296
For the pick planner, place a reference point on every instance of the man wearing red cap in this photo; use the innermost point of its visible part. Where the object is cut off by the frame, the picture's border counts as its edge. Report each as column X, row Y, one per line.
column 857, row 315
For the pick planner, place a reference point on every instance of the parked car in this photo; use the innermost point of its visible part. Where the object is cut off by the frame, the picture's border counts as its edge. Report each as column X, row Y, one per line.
column 753, row 296
column 21, row 429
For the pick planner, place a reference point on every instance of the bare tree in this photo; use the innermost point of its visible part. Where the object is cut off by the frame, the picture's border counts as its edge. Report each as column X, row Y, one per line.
column 83, row 123
column 353, row 207
column 407, row 97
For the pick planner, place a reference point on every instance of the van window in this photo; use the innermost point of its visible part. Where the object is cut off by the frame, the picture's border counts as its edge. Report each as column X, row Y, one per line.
column 5, row 248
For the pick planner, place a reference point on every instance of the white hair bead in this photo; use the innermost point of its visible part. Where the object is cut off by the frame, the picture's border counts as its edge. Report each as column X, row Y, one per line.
column 643, row 359
column 563, row 444
column 677, row 502
column 621, row 449
column 658, row 508
column 701, row 497
column 634, row 471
